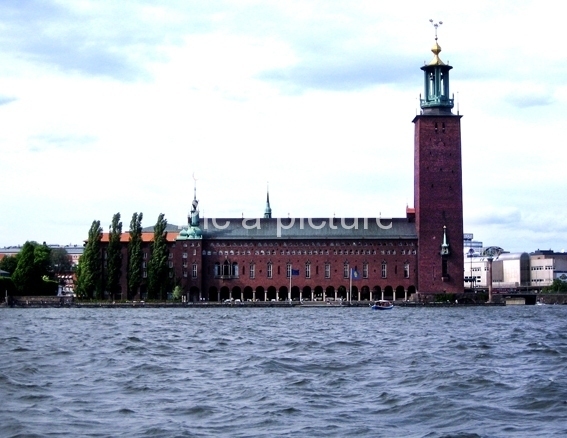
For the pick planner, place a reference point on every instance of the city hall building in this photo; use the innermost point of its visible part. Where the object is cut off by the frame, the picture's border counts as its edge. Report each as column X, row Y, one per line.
column 266, row 258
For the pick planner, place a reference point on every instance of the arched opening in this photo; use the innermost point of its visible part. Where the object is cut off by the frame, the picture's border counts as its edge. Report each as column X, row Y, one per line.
column 272, row 294
column 318, row 294
column 236, row 293
column 260, row 294
column 365, row 293
column 330, row 293
column 354, row 294
column 224, row 293
column 306, row 293
column 411, row 292
column 213, row 294
column 295, row 293
column 341, row 293
column 282, row 293
column 400, row 293
column 194, row 294
column 388, row 293
column 376, row 293
column 248, row 294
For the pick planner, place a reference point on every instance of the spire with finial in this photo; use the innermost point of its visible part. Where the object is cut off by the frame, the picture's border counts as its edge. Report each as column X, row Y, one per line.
column 436, row 49
column 194, row 205
column 268, row 210
column 444, row 245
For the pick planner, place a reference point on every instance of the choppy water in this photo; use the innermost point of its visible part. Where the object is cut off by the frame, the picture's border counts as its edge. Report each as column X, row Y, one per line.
column 450, row 372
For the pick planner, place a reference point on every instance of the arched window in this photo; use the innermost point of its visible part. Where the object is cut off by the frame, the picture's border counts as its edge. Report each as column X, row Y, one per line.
column 234, row 272
column 384, row 269
column 226, row 269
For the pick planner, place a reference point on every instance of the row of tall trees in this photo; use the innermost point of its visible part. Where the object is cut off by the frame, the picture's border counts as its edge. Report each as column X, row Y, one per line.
column 90, row 282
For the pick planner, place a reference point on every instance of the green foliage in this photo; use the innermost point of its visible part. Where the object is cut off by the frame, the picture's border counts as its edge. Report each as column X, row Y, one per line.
column 558, row 286
column 34, row 262
column 177, row 293
column 135, row 256
column 89, row 272
column 60, row 261
column 158, row 270
column 443, row 298
column 9, row 263
column 114, row 258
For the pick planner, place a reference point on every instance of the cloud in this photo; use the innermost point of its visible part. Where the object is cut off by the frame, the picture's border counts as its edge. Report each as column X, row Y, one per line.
column 101, row 39
column 528, row 100
column 344, row 73
column 45, row 142
column 4, row 100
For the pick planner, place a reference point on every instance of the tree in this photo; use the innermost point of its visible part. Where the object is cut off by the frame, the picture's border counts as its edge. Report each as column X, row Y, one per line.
column 114, row 258
column 89, row 271
column 9, row 263
column 60, row 261
column 135, row 256
column 177, row 293
column 158, row 270
column 34, row 262
column 558, row 285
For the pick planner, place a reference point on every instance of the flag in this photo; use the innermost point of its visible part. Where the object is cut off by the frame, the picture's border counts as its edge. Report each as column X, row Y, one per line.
column 295, row 272
column 354, row 274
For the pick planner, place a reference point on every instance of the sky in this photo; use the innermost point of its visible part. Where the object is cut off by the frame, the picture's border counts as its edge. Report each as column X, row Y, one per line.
column 121, row 107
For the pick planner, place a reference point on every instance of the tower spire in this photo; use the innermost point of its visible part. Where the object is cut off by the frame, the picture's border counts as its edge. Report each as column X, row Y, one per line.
column 268, row 210
column 194, row 205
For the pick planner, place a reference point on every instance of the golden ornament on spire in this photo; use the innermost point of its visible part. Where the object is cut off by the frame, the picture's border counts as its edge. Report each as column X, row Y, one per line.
column 436, row 49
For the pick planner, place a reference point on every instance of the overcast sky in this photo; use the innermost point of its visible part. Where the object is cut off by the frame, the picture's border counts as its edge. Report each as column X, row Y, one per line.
column 110, row 107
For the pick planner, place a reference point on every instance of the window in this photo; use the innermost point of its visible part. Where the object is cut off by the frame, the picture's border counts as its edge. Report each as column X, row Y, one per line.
column 270, row 270
column 345, row 271
column 327, row 270
column 406, row 270
column 307, row 270
column 252, row 270
column 384, row 269
column 171, row 264
column 194, row 273
column 288, row 270
column 365, row 270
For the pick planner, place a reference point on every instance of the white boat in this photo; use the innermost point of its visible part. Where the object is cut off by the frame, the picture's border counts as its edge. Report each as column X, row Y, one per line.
column 382, row 305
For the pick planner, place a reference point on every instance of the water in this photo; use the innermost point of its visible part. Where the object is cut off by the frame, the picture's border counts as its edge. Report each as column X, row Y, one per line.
column 331, row 372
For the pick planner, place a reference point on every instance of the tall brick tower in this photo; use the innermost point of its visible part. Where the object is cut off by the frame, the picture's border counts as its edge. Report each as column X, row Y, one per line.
column 438, row 187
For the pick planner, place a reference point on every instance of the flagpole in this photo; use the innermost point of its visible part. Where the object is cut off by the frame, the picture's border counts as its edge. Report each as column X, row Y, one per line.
column 350, row 286
column 290, row 275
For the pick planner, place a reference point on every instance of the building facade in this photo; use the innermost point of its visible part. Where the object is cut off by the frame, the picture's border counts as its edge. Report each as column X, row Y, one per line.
column 267, row 258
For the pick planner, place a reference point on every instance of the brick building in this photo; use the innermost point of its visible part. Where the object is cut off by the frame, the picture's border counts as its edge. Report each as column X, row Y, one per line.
column 269, row 258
